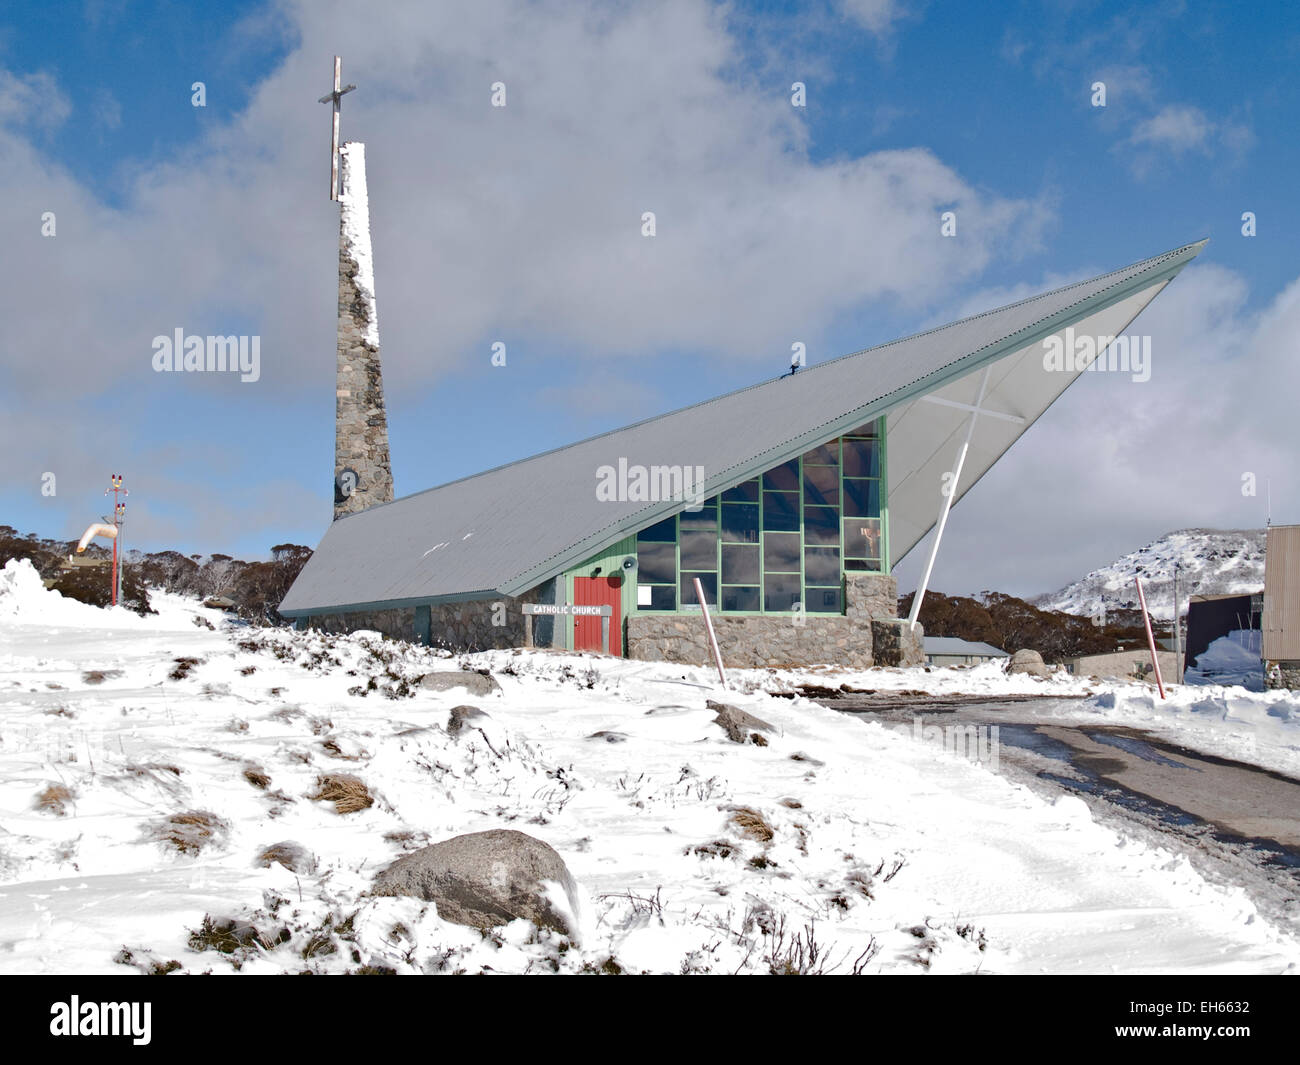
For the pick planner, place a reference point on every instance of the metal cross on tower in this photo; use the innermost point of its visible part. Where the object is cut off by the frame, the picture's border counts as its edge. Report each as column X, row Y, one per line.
column 336, row 98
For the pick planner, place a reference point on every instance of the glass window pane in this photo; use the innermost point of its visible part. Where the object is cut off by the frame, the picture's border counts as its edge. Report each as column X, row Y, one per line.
column 822, row 601
column 740, row 564
column 861, row 458
column 706, row 518
column 821, row 565
column 783, row 478
column 747, row 492
column 699, row 550
column 780, row 593
column 826, row 455
column 656, row 563
column 781, row 511
column 709, row 581
column 821, row 525
column 665, row 530
column 821, row 486
column 781, row 552
column 863, row 430
column 861, row 537
column 861, row 499
column 662, row 597
column 739, row 598
column 740, row 523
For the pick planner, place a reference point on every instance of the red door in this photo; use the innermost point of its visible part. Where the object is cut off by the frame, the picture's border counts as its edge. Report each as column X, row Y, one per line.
column 598, row 591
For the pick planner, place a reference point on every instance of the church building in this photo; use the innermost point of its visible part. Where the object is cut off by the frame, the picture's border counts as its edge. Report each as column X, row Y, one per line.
column 789, row 501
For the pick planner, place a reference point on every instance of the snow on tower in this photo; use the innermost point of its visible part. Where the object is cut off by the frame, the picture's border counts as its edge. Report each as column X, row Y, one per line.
column 363, row 474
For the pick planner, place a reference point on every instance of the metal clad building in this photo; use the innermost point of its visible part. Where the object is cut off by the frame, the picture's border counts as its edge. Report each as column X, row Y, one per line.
column 1281, row 620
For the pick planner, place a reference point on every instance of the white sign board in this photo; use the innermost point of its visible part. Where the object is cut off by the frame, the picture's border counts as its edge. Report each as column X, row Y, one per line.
column 568, row 609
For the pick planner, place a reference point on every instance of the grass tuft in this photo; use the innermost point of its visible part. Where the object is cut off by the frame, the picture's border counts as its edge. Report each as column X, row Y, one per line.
column 54, row 799
column 191, row 831
column 347, row 793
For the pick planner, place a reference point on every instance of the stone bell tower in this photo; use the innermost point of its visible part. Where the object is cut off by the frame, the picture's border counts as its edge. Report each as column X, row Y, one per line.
column 363, row 474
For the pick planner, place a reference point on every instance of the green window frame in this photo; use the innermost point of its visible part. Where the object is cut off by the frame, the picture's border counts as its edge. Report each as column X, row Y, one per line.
column 757, row 552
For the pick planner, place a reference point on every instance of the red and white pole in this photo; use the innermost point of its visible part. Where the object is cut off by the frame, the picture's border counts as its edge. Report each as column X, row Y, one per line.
column 1151, row 640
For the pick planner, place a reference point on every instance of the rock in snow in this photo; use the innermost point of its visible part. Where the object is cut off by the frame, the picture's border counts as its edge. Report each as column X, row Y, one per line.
column 738, row 725
column 485, row 879
column 474, row 683
column 459, row 715
column 1027, row 661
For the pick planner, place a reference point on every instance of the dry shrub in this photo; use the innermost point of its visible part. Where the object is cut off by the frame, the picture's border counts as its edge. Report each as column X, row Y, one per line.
column 257, row 778
column 347, row 793
column 333, row 749
column 229, row 936
column 150, row 768
column 55, row 799
column 182, row 668
column 407, row 839
column 191, row 831
column 292, row 856
column 751, row 824
column 718, row 848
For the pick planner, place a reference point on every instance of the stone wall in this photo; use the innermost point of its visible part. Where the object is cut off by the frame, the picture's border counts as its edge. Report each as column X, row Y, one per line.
column 468, row 626
column 896, row 643
column 398, row 624
column 747, row 642
column 866, row 635
column 1282, row 675
column 360, row 422
column 854, row 640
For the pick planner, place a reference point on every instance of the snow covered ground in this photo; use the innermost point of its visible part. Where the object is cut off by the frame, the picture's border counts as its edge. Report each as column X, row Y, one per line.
column 147, row 763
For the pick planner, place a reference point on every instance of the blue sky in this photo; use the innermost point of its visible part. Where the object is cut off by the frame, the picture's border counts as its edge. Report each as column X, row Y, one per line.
column 215, row 219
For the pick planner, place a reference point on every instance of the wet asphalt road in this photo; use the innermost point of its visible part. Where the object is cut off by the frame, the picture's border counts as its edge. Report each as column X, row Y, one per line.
column 1238, row 823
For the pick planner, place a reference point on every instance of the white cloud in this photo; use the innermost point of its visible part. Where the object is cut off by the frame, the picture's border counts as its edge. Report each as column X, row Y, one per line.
column 488, row 224
column 34, row 101
column 876, row 16
column 491, row 221
column 1177, row 128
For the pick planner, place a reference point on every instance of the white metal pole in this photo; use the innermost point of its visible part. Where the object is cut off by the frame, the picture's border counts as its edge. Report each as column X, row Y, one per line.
column 947, row 506
column 1151, row 640
column 708, row 627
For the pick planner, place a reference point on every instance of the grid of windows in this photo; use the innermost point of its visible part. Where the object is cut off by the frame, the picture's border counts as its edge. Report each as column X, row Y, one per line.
column 777, row 543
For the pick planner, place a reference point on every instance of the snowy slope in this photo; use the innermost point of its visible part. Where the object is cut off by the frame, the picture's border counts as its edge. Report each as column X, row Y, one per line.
column 893, row 856
column 1210, row 561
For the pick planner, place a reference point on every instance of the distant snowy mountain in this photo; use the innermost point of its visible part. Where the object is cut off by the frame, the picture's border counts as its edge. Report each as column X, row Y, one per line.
column 1210, row 562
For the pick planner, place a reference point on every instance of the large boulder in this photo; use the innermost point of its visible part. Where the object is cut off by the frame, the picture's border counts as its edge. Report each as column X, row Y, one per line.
column 739, row 726
column 1027, row 661
column 485, row 879
column 474, row 683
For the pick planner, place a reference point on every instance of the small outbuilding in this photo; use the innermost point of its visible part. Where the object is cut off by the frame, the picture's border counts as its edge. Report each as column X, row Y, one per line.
column 951, row 651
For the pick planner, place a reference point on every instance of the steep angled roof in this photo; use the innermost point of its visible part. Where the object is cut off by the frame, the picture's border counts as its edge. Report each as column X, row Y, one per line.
column 510, row 528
